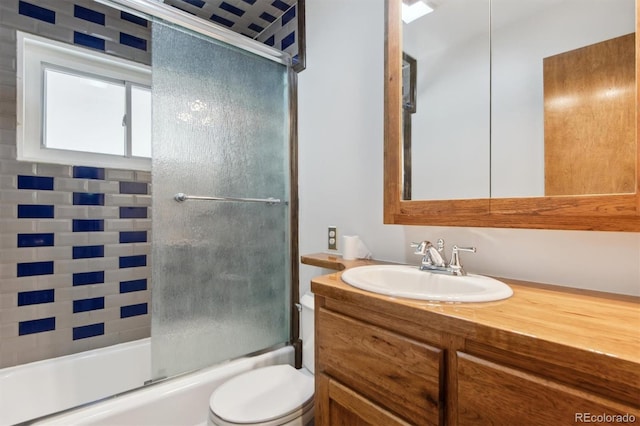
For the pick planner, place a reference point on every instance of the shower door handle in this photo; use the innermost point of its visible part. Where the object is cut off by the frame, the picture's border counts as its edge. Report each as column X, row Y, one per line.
column 180, row 197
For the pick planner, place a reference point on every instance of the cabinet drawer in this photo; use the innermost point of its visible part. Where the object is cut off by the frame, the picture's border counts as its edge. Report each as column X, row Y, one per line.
column 396, row 372
column 493, row 394
column 341, row 406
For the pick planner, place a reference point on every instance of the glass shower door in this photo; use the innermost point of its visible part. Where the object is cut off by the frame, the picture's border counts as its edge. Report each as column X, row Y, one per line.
column 220, row 272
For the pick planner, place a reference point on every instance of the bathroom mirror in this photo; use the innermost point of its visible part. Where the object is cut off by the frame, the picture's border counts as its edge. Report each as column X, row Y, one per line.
column 471, row 185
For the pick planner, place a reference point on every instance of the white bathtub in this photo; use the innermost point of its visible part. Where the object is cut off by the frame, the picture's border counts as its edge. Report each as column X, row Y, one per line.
column 182, row 401
column 39, row 388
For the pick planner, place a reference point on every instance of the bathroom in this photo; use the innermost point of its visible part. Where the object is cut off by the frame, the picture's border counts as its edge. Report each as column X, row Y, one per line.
column 341, row 119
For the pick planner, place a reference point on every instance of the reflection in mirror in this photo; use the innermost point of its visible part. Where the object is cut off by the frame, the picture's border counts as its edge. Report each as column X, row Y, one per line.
column 619, row 211
column 409, row 74
column 450, row 129
column 562, row 97
column 487, row 120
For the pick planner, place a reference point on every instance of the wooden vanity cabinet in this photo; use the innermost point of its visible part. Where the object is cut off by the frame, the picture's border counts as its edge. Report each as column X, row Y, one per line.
column 368, row 371
column 493, row 394
column 338, row 405
column 378, row 363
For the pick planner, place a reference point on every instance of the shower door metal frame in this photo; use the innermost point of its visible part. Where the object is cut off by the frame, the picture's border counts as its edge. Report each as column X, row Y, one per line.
column 145, row 8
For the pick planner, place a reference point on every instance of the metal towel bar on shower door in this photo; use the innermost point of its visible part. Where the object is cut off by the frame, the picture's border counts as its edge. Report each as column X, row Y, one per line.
column 179, row 197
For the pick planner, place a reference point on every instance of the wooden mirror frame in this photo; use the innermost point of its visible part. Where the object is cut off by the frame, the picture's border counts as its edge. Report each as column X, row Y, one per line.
column 619, row 212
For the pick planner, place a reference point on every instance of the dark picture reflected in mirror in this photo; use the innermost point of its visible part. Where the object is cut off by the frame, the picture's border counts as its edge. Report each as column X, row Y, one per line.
column 409, row 73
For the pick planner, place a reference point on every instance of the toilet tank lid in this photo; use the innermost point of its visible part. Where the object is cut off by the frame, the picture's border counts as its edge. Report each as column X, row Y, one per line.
column 263, row 394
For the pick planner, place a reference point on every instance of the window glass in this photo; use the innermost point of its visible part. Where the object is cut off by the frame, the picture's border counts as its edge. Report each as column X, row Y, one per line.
column 83, row 113
column 76, row 106
column 140, row 121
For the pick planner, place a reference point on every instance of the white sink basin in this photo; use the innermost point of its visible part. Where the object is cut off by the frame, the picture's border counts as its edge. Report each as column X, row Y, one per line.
column 411, row 282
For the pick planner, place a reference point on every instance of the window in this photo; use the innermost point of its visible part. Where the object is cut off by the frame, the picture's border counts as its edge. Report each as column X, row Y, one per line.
column 80, row 107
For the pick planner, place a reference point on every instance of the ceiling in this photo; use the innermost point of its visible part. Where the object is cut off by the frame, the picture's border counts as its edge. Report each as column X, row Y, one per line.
column 247, row 17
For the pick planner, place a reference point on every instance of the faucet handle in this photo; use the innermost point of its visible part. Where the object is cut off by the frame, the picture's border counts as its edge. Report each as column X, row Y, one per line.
column 421, row 247
column 456, row 267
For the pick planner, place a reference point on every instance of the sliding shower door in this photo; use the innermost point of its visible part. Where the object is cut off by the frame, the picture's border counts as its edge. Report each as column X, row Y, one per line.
column 221, row 268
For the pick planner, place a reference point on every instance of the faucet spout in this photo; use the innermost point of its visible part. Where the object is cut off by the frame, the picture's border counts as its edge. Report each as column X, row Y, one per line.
column 431, row 255
column 434, row 260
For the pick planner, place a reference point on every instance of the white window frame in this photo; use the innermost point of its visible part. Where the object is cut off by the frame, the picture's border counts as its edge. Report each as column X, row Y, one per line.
column 34, row 53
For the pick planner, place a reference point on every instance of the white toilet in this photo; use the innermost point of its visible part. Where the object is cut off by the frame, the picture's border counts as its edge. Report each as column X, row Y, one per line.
column 270, row 396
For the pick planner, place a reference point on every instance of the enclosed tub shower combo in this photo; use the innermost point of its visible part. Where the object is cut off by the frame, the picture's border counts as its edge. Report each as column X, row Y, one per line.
column 222, row 210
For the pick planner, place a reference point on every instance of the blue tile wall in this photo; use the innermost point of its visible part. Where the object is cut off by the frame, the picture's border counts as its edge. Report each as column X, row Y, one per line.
column 36, row 297
column 134, row 285
column 96, row 15
column 42, row 183
column 85, row 305
column 196, row 3
column 288, row 40
column 133, row 41
column 35, row 211
column 88, row 15
column 36, row 12
column 134, row 19
column 86, row 252
column 280, row 5
column 87, row 331
column 88, row 225
column 231, row 8
column 259, row 20
column 220, row 20
column 87, row 40
column 88, row 199
column 88, row 172
column 133, row 310
column 133, row 237
column 133, row 212
column 36, row 240
column 36, row 326
column 134, row 188
column 256, row 27
column 68, row 250
column 289, row 15
column 30, row 269
column 282, row 33
column 133, row 261
column 267, row 17
column 86, row 278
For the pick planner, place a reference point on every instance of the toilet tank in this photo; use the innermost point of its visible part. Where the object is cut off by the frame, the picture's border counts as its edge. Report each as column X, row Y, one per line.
column 307, row 331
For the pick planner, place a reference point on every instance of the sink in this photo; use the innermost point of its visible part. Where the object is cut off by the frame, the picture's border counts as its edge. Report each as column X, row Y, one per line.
column 411, row 282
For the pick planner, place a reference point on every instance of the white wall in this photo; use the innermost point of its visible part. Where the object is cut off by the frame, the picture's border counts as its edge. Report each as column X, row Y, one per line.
column 341, row 177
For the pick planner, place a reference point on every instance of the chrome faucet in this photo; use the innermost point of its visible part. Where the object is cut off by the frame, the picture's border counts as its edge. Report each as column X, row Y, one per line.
column 434, row 259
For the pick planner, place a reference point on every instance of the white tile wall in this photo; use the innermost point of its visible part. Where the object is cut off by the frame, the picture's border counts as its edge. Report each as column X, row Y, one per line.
column 31, row 345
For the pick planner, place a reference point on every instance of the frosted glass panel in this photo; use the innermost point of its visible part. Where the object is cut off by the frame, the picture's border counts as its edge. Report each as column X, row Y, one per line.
column 73, row 118
column 220, row 270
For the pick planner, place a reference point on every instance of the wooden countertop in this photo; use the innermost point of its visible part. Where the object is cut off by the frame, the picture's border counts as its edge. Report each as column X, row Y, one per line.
column 549, row 320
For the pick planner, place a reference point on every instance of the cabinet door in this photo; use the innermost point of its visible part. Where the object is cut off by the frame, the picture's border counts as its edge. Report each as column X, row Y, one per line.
column 337, row 405
column 493, row 394
column 394, row 371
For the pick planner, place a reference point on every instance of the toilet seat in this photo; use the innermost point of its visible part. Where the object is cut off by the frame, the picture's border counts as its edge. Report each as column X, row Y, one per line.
column 265, row 396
